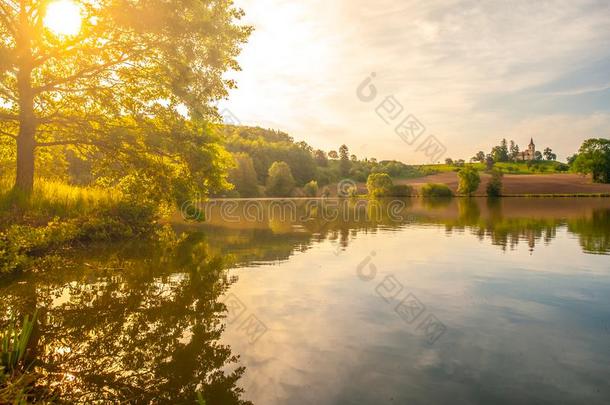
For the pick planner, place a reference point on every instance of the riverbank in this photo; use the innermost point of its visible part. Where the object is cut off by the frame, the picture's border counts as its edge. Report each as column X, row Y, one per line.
column 57, row 216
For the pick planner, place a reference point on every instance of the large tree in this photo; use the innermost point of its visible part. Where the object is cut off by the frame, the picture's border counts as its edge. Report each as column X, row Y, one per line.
column 594, row 158
column 345, row 163
column 280, row 182
column 243, row 176
column 548, row 154
column 133, row 65
column 500, row 152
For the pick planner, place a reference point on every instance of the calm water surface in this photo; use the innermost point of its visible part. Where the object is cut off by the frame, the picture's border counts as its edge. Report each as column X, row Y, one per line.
column 461, row 302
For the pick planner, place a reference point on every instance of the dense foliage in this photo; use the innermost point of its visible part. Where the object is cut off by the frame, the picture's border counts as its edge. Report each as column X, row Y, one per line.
column 243, row 176
column 494, row 187
column 280, row 181
column 266, row 146
column 114, row 94
column 20, row 243
column 379, row 185
column 469, row 180
column 594, row 158
column 434, row 190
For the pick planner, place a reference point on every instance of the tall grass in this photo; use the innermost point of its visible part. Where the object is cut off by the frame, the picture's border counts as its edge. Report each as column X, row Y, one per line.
column 51, row 198
column 57, row 215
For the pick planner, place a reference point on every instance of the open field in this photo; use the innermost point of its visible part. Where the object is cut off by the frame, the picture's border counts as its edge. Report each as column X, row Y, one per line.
column 518, row 184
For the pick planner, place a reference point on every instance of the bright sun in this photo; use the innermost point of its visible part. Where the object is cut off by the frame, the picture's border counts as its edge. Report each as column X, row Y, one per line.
column 63, row 17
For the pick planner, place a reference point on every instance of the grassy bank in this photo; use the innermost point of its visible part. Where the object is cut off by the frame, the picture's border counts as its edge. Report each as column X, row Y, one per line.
column 57, row 215
column 52, row 199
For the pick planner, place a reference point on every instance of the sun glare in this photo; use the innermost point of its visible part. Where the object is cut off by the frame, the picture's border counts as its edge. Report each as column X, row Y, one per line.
column 63, row 17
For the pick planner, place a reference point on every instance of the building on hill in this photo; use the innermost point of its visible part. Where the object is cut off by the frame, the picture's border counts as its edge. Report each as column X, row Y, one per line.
column 529, row 154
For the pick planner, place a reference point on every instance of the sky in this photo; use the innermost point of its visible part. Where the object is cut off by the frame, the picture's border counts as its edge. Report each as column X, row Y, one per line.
column 470, row 73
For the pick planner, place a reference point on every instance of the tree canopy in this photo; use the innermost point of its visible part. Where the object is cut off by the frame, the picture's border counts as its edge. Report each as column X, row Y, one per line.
column 120, row 90
column 594, row 158
column 243, row 176
column 280, row 181
column 379, row 184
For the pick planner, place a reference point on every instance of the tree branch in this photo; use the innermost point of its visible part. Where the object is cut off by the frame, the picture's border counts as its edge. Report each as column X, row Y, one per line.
column 5, row 92
column 83, row 74
column 8, row 134
column 8, row 117
column 67, row 142
column 55, row 53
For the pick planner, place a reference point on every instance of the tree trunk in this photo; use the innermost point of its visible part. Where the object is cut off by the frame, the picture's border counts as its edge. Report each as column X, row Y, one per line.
column 25, row 146
column 26, row 141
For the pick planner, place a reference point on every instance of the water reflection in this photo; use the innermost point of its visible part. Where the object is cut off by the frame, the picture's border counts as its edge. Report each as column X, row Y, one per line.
column 138, row 324
column 593, row 233
column 278, row 227
column 145, row 322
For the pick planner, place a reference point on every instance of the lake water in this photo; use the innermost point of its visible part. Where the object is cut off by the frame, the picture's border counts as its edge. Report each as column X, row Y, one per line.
column 336, row 302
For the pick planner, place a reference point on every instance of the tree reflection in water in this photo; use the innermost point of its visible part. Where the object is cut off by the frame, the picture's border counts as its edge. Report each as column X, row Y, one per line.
column 594, row 233
column 141, row 325
column 144, row 322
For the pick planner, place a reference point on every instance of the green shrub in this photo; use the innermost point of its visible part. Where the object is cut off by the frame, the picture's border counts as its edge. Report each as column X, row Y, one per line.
column 469, row 180
column 311, row 189
column 379, row 185
column 428, row 170
column 19, row 244
column 433, row 190
column 401, row 190
column 494, row 187
column 562, row 167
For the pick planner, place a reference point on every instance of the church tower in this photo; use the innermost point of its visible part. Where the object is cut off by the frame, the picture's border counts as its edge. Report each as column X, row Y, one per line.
column 531, row 150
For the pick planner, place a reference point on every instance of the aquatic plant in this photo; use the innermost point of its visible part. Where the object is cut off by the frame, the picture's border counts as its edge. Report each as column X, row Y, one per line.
column 14, row 341
column 16, row 378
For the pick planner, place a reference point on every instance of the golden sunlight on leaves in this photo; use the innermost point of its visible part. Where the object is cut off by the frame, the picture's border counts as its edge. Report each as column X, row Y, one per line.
column 63, row 17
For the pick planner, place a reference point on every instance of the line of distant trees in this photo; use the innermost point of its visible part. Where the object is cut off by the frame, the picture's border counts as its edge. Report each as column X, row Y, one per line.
column 510, row 152
column 270, row 163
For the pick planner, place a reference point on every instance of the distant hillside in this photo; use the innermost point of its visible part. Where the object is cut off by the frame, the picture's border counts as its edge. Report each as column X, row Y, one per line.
column 256, row 149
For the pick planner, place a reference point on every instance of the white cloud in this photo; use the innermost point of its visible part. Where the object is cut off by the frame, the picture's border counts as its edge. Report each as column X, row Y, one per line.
column 443, row 59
